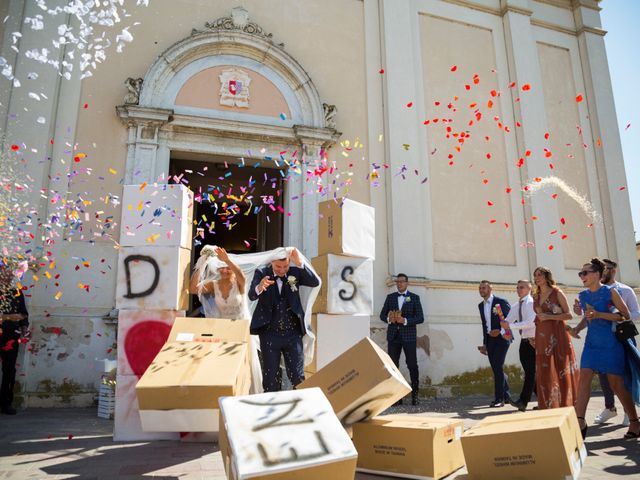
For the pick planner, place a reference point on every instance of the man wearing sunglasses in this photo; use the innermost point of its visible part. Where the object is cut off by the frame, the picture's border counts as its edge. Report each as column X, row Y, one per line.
column 630, row 299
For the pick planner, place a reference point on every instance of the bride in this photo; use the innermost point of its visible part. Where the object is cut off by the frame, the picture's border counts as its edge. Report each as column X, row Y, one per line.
column 220, row 285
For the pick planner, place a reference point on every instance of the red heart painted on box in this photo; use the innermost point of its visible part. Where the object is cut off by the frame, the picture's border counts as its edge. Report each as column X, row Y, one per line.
column 143, row 342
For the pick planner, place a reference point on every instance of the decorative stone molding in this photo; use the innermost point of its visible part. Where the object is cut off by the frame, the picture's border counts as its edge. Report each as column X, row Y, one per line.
column 238, row 21
column 330, row 112
column 134, row 86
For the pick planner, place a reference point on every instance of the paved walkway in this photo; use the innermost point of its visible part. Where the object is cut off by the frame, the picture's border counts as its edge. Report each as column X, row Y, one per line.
column 74, row 443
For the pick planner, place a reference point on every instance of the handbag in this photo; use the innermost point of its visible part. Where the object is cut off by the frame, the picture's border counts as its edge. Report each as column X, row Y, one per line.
column 625, row 331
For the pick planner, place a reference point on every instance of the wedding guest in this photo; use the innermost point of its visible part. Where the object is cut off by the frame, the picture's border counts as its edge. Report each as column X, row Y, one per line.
column 14, row 324
column 522, row 317
column 494, row 344
column 603, row 353
column 556, row 366
column 631, row 301
column 402, row 311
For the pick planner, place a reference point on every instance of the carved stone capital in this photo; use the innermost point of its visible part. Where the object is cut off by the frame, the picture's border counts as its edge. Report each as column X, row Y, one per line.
column 238, row 21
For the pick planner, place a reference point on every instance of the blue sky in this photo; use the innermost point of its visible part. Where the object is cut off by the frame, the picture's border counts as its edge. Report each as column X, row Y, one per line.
column 621, row 18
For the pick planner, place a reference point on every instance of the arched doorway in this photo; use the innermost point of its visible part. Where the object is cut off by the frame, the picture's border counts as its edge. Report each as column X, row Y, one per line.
column 229, row 92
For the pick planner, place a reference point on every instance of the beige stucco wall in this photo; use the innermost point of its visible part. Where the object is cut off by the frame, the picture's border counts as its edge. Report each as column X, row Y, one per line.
column 461, row 192
column 339, row 24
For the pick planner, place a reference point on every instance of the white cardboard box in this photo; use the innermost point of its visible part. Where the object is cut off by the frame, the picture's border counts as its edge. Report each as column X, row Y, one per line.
column 284, row 435
column 141, row 335
column 127, row 426
column 160, row 215
column 335, row 334
column 153, row 278
column 347, row 285
column 347, row 227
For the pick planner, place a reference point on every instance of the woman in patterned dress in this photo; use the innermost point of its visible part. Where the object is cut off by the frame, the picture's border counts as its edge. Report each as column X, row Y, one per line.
column 603, row 353
column 557, row 371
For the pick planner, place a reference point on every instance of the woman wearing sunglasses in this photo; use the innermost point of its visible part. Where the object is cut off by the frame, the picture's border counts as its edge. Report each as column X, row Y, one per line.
column 603, row 353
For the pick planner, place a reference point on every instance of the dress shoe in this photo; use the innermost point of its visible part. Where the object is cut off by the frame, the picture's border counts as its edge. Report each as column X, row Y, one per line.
column 519, row 404
column 8, row 410
column 496, row 404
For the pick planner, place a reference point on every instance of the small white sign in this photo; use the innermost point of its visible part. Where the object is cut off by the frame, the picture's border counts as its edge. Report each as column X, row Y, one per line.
column 185, row 337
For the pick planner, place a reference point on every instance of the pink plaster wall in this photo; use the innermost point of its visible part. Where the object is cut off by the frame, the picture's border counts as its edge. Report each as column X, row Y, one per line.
column 203, row 91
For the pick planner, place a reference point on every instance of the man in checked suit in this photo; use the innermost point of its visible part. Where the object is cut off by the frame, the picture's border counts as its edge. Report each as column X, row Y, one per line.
column 402, row 310
column 496, row 341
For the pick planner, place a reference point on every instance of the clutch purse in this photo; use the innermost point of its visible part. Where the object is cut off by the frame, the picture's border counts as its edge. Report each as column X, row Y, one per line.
column 625, row 331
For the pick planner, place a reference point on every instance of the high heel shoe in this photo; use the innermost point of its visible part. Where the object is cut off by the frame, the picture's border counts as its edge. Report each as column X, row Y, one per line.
column 583, row 430
column 630, row 435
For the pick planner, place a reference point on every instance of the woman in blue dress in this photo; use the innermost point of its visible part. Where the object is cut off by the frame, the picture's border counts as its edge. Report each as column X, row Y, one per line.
column 603, row 353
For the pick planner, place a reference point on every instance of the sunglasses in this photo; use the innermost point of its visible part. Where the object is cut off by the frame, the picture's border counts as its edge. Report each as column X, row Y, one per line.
column 584, row 273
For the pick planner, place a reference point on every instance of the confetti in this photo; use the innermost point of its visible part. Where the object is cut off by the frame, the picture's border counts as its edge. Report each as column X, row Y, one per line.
column 579, row 98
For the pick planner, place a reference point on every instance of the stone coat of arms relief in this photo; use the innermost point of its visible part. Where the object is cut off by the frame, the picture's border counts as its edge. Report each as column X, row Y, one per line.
column 234, row 88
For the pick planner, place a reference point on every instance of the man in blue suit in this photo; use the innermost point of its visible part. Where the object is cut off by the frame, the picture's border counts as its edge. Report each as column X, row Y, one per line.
column 494, row 343
column 279, row 318
column 402, row 310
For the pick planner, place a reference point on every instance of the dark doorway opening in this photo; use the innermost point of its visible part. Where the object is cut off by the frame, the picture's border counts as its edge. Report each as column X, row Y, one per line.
column 238, row 205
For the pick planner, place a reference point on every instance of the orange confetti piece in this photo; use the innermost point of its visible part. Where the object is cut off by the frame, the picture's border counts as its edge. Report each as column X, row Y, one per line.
column 467, row 87
column 526, row 87
column 527, row 153
column 546, row 136
column 508, row 189
column 564, row 237
column 490, row 104
column 454, row 68
column 550, row 247
column 579, row 98
column 494, row 93
column 492, row 221
column 512, row 84
column 381, row 71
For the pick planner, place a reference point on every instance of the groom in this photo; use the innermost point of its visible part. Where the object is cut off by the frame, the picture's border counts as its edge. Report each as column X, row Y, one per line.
column 279, row 317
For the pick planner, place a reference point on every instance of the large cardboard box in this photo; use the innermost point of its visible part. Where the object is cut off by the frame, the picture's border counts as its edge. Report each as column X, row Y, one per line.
column 141, row 335
column 180, row 389
column 191, row 329
column 346, row 227
column 360, row 383
column 347, row 285
column 335, row 334
column 127, row 426
column 411, row 446
column 286, row 435
column 153, row 278
column 160, row 215
column 539, row 444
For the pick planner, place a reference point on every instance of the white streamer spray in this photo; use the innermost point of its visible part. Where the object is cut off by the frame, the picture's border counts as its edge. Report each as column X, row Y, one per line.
column 554, row 182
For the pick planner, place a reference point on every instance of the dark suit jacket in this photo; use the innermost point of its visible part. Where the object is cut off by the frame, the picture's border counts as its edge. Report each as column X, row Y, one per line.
column 411, row 310
column 267, row 300
column 495, row 320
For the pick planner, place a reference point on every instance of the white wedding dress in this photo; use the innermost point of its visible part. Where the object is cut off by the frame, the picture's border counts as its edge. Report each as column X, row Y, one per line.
column 234, row 306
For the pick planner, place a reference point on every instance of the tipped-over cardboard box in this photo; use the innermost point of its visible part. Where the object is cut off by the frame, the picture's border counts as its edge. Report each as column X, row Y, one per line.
column 360, row 383
column 347, row 227
column 533, row 445
column 191, row 329
column 335, row 334
column 347, row 285
column 180, row 389
column 285, row 435
column 411, row 446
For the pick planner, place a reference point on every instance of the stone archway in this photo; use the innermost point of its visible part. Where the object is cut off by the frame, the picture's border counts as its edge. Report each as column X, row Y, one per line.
column 157, row 124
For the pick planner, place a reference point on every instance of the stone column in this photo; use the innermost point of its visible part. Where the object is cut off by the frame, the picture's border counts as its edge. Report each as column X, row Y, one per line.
column 522, row 58
column 616, row 208
column 143, row 141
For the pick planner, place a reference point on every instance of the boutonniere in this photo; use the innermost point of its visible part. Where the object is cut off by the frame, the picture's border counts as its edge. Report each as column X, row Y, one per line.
column 292, row 281
column 407, row 299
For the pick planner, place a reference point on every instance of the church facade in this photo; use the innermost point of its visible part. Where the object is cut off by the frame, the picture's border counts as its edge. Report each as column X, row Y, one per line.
column 483, row 132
